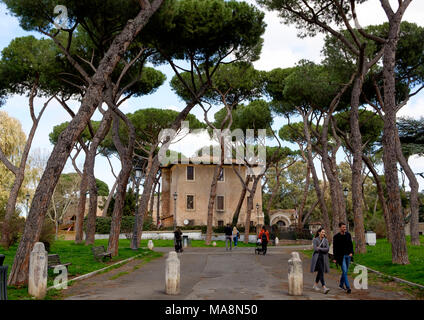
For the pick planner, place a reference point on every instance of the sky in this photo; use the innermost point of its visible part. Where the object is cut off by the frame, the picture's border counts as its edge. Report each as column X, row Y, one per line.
column 282, row 48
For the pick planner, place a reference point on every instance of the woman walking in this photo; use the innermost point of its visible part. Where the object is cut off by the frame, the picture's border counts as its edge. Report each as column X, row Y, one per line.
column 235, row 236
column 319, row 261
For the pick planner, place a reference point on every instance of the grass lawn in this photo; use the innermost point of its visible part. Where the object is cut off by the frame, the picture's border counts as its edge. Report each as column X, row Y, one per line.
column 82, row 261
column 379, row 257
column 194, row 243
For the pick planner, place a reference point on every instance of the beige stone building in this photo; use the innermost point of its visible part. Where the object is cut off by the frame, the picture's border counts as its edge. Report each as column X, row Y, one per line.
column 192, row 183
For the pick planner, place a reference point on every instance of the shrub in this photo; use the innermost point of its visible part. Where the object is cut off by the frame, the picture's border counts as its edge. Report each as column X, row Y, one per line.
column 377, row 224
column 48, row 234
column 16, row 227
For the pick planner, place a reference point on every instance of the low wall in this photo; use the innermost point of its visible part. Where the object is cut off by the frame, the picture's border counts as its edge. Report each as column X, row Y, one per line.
column 169, row 235
column 420, row 228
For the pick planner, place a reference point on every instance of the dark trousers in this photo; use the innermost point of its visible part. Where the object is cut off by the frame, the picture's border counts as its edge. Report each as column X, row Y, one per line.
column 320, row 268
column 264, row 246
column 178, row 245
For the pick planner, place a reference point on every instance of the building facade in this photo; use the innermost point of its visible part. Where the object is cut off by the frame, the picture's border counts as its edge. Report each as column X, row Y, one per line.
column 192, row 183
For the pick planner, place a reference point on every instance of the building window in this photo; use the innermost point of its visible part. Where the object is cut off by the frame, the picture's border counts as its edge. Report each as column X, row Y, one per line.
column 220, row 223
column 190, row 173
column 221, row 175
column 220, row 203
column 190, row 202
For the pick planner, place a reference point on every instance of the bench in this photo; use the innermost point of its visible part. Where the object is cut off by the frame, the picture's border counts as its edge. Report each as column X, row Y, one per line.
column 53, row 260
column 100, row 253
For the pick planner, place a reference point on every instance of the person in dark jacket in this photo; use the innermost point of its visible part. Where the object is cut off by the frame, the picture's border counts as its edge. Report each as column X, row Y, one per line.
column 319, row 262
column 178, row 240
column 343, row 254
column 228, row 236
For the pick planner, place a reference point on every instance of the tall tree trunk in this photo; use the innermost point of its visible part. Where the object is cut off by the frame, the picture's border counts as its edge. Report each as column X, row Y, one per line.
column 380, row 193
column 320, row 194
column 399, row 249
column 241, row 200
column 144, row 202
column 92, row 98
column 90, row 159
column 356, row 142
column 79, row 221
column 211, row 203
column 158, row 206
column 274, row 190
column 126, row 156
column 305, row 196
column 152, row 197
column 252, row 192
column 413, row 196
column 109, row 198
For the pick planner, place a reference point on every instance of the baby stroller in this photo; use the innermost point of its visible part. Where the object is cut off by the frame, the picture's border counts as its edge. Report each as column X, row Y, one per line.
column 258, row 249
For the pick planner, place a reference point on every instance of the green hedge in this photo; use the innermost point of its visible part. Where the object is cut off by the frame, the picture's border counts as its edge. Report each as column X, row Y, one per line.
column 127, row 223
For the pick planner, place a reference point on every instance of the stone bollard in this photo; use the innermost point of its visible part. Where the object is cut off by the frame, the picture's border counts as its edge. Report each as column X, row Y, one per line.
column 295, row 275
column 214, row 244
column 172, row 274
column 150, row 245
column 276, row 241
column 37, row 282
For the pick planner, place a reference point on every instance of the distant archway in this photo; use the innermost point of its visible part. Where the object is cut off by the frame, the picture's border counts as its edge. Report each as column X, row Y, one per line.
column 281, row 219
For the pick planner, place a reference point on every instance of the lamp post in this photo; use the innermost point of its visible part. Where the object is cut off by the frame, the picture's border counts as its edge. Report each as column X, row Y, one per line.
column 175, row 210
column 137, row 179
column 27, row 202
column 257, row 215
column 345, row 193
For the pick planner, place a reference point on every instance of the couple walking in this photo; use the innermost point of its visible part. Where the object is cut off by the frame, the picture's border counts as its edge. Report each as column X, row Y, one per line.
column 342, row 251
column 230, row 236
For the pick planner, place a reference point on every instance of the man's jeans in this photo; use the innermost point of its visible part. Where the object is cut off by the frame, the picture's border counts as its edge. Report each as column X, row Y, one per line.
column 345, row 267
column 228, row 238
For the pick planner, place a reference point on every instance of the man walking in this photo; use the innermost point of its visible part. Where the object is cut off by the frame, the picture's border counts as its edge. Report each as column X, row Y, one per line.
column 228, row 236
column 343, row 254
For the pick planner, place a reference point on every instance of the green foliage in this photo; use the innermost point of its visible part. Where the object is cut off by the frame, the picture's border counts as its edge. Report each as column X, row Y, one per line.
column 129, row 204
column 16, row 226
column 205, row 30
column 27, row 61
column 296, row 11
column 239, row 81
column 102, row 188
column 48, row 233
column 411, row 134
column 370, row 125
column 377, row 224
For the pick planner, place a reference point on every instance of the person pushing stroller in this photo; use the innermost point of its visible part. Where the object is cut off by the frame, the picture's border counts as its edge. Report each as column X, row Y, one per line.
column 264, row 239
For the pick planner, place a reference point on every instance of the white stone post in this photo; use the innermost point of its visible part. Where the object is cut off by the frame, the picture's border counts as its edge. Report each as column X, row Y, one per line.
column 150, row 245
column 37, row 282
column 295, row 275
column 172, row 274
column 276, row 241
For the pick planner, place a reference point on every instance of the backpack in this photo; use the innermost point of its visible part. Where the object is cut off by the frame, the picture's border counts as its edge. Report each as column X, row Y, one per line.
column 264, row 238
